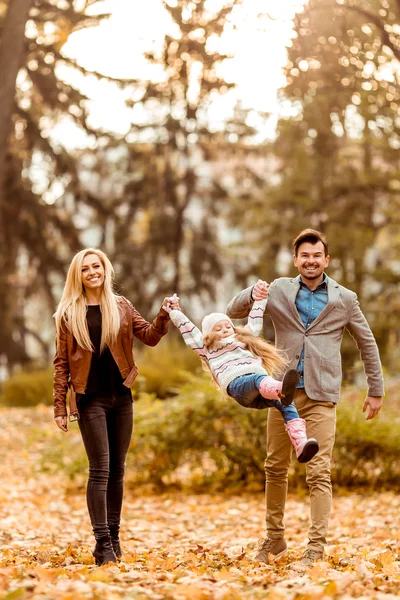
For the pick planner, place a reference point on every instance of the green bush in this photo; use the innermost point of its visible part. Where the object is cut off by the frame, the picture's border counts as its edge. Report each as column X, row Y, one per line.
column 28, row 388
column 201, row 439
column 197, row 439
column 61, row 453
column 163, row 369
column 366, row 452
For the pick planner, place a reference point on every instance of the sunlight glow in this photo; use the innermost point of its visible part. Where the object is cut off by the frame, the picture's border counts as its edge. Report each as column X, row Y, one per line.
column 116, row 48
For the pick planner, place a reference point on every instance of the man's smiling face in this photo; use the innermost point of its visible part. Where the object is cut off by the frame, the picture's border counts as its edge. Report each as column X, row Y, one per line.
column 311, row 261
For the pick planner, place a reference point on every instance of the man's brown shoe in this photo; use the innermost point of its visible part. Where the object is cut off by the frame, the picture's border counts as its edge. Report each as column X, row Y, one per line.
column 310, row 557
column 276, row 548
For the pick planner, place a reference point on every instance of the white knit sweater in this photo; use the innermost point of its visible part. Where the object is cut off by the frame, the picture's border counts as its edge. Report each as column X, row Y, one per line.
column 231, row 358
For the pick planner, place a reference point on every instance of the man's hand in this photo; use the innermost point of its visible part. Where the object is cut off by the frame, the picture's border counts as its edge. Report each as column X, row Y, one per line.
column 373, row 404
column 61, row 422
column 260, row 290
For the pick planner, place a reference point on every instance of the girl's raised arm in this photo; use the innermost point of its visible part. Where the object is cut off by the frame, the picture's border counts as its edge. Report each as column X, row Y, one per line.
column 191, row 334
column 256, row 315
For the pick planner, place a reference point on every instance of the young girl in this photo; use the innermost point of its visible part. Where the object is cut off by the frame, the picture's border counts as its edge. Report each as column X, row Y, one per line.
column 240, row 361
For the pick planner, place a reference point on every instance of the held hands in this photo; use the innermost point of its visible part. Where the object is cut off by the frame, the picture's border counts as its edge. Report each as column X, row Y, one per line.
column 373, row 404
column 61, row 422
column 171, row 303
column 260, row 290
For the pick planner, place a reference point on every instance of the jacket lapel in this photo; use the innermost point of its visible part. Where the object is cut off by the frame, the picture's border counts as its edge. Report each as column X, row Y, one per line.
column 333, row 297
column 292, row 293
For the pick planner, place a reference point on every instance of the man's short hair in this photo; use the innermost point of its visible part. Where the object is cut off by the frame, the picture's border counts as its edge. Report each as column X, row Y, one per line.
column 313, row 236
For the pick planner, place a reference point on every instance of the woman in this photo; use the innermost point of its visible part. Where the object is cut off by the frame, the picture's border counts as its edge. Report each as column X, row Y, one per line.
column 94, row 358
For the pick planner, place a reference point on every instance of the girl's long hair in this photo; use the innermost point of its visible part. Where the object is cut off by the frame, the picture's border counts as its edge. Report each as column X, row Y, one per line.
column 273, row 360
column 71, row 311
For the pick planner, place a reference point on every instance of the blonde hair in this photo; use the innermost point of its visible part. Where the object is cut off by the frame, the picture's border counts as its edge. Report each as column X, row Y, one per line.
column 273, row 360
column 71, row 311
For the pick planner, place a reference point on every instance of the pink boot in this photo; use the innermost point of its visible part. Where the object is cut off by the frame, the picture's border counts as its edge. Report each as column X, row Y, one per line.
column 305, row 447
column 283, row 390
column 270, row 388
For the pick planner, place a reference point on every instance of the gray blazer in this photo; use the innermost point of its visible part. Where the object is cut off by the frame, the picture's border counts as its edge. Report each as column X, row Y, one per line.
column 322, row 339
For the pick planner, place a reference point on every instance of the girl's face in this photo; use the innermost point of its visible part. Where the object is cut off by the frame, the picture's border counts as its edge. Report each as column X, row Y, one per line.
column 224, row 329
column 92, row 272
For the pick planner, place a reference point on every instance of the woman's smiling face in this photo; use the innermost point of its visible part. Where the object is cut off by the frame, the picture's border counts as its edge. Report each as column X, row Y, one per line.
column 92, row 272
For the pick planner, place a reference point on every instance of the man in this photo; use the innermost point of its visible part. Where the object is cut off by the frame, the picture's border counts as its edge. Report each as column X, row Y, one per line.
column 310, row 313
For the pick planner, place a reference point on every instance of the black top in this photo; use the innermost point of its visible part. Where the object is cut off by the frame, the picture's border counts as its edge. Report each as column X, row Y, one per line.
column 104, row 375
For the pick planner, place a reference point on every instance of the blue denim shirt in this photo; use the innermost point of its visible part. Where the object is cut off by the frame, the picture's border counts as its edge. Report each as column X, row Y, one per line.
column 309, row 304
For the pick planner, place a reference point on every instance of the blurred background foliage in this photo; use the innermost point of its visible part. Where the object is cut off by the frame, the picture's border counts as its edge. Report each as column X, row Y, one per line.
column 337, row 152
column 180, row 204
column 183, row 205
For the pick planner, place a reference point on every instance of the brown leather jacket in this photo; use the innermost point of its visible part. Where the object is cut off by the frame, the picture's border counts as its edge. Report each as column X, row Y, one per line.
column 72, row 363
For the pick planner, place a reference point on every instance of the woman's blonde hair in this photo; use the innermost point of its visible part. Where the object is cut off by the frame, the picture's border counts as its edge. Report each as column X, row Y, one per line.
column 71, row 311
column 273, row 360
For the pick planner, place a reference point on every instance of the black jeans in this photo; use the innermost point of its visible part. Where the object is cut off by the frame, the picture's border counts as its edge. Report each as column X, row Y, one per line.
column 106, row 424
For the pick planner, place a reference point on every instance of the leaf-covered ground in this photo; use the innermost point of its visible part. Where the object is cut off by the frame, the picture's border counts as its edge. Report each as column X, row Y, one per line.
column 176, row 546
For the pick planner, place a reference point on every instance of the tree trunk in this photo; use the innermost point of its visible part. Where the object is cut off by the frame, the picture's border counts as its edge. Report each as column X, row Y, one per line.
column 11, row 55
column 12, row 45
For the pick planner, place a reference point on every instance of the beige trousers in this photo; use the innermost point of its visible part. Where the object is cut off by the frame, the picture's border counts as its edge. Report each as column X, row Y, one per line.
column 320, row 420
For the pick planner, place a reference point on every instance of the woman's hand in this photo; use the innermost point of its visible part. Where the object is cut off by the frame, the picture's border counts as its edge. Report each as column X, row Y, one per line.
column 61, row 422
column 171, row 303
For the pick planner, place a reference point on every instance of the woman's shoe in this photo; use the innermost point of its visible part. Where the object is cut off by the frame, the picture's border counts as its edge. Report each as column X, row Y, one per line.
column 114, row 535
column 104, row 552
column 117, row 548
